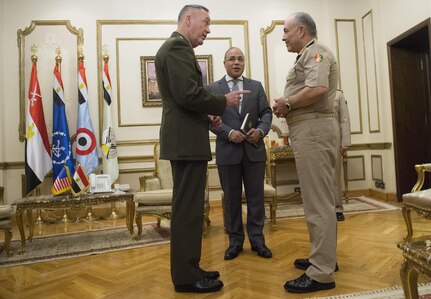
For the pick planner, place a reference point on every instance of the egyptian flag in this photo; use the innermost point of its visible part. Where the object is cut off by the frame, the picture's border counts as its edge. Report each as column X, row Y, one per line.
column 86, row 150
column 62, row 182
column 80, row 181
column 109, row 142
column 61, row 148
column 37, row 152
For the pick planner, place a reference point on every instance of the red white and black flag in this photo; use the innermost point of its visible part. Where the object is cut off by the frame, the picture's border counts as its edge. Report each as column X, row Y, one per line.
column 80, row 181
column 37, row 151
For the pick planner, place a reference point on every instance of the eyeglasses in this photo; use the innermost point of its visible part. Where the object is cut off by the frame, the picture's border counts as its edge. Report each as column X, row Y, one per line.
column 233, row 59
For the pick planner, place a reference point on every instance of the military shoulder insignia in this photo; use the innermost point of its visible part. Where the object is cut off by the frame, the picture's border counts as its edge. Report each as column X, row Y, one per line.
column 318, row 57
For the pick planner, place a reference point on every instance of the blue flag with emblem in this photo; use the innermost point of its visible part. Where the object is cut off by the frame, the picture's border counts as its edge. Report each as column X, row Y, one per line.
column 61, row 147
column 86, row 150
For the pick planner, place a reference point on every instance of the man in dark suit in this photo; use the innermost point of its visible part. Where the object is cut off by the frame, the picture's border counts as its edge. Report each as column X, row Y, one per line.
column 184, row 141
column 241, row 155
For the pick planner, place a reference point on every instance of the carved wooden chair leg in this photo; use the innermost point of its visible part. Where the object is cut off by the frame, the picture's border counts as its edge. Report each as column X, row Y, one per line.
column 138, row 220
column 409, row 278
column 408, row 220
column 7, row 240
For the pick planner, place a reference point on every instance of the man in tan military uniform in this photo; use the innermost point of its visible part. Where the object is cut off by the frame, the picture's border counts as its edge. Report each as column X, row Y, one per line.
column 342, row 117
column 307, row 104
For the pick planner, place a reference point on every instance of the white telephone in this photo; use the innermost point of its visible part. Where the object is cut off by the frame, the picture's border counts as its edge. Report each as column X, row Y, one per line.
column 100, row 183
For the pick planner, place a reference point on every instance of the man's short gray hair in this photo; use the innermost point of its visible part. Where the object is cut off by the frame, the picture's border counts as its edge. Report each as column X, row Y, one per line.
column 304, row 19
column 190, row 7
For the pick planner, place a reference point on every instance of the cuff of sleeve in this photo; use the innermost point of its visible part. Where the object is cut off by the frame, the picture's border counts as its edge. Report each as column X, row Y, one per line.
column 230, row 133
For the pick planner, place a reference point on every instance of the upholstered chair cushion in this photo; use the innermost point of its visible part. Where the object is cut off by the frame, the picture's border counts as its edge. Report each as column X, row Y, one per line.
column 154, row 197
column 164, row 173
column 152, row 184
column 5, row 211
column 419, row 199
column 268, row 190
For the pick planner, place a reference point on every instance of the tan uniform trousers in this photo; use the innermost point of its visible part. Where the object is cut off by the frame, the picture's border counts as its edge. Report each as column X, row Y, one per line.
column 315, row 142
column 338, row 182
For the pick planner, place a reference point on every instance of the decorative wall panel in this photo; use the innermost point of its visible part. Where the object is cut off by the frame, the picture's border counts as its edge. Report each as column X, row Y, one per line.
column 347, row 56
column 371, row 73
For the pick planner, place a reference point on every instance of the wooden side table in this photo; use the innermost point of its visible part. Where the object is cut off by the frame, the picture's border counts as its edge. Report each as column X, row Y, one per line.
column 280, row 155
column 69, row 201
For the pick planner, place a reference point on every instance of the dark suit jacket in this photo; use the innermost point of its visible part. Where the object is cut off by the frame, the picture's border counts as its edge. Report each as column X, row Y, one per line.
column 255, row 103
column 186, row 104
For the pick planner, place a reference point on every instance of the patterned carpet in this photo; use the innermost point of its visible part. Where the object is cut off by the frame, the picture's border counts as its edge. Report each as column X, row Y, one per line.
column 356, row 205
column 388, row 293
column 96, row 241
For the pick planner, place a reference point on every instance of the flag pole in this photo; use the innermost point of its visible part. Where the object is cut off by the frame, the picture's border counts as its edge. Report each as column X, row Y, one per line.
column 114, row 213
column 58, row 60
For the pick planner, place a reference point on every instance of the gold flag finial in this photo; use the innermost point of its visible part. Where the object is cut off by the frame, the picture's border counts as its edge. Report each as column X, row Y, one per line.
column 80, row 53
column 105, row 53
column 33, row 53
column 58, row 52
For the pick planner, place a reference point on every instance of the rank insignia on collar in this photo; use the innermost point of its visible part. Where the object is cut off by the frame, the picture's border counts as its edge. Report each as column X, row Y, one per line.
column 318, row 57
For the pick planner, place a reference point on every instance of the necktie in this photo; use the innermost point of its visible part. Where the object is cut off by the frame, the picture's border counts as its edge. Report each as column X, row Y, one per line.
column 235, row 87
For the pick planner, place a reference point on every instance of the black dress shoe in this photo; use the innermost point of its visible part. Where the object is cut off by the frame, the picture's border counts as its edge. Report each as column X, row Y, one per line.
column 304, row 284
column 303, row 264
column 204, row 285
column 262, row 251
column 210, row 274
column 232, row 252
column 340, row 216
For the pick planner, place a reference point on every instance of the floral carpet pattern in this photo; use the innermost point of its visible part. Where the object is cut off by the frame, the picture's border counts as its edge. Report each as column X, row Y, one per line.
column 355, row 205
column 387, row 293
column 95, row 241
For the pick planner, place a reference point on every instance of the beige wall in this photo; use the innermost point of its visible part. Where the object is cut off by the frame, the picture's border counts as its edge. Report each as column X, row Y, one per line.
column 2, row 58
column 388, row 21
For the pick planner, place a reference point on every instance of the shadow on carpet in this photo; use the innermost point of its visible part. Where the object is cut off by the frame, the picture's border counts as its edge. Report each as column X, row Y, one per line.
column 69, row 245
column 356, row 205
column 387, row 293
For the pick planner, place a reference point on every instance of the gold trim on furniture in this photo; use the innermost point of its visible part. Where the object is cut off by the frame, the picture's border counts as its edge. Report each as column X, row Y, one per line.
column 21, row 34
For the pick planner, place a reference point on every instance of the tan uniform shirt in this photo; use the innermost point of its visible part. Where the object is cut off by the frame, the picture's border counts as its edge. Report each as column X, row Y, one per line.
column 341, row 114
column 312, row 70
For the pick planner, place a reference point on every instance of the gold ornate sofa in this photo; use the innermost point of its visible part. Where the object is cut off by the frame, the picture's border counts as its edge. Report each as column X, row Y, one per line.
column 155, row 195
column 416, row 253
column 6, row 222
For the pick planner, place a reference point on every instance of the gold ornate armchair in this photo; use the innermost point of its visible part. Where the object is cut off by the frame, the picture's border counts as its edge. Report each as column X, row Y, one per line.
column 416, row 253
column 6, row 222
column 155, row 195
column 418, row 200
column 269, row 191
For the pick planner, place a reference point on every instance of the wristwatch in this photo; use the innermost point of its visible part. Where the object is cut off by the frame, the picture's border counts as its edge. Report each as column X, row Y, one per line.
column 288, row 107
